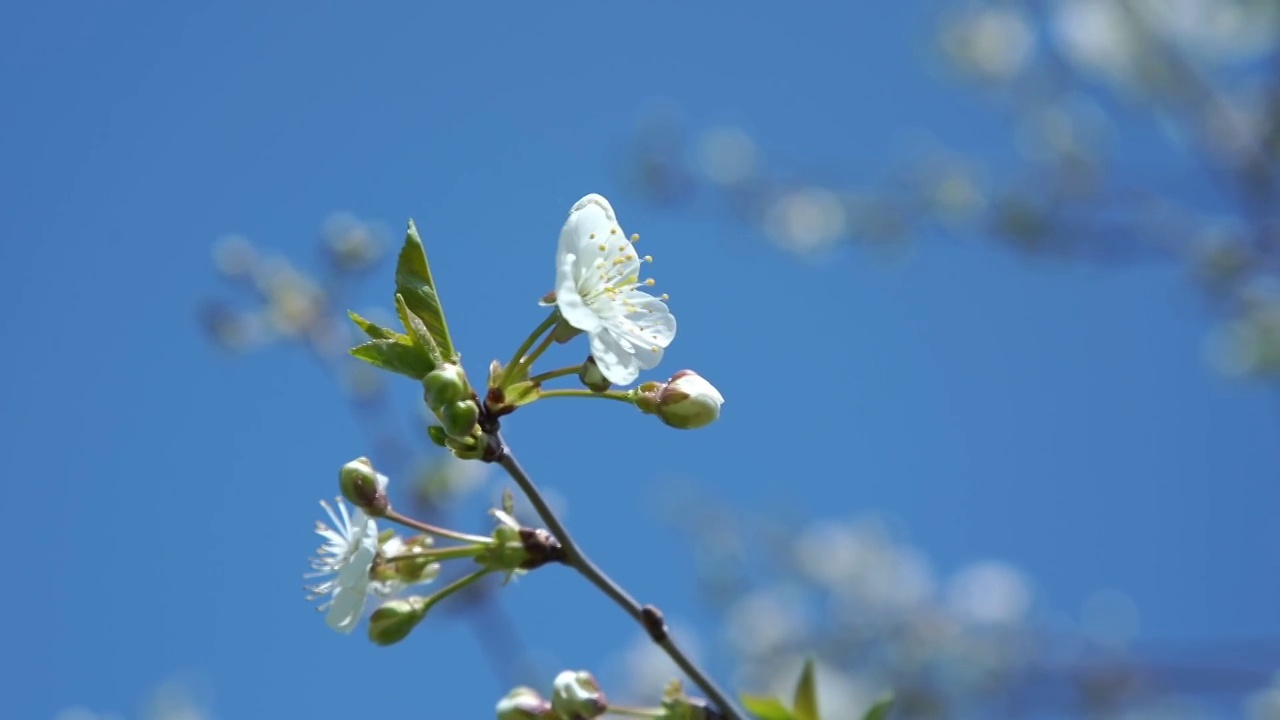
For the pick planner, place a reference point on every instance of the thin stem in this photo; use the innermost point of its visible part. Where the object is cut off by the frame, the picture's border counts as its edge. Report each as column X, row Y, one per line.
column 436, row 554
column 553, row 374
column 518, row 357
column 646, row 617
column 537, row 352
column 454, row 587
column 619, row 395
column 420, row 526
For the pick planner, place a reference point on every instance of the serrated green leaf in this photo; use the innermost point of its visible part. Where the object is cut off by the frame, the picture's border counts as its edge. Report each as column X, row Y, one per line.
column 766, row 708
column 881, row 709
column 395, row 356
column 806, row 700
column 418, row 332
column 414, row 282
column 521, row 393
column 373, row 330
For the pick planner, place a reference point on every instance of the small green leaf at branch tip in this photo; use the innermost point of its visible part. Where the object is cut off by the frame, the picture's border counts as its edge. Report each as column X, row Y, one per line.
column 522, row 393
column 806, row 699
column 418, row 332
column 880, row 710
column 414, row 282
column 766, row 708
column 395, row 356
column 374, row 330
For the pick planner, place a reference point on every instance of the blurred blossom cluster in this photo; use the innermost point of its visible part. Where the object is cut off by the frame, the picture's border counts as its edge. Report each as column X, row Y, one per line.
column 1078, row 81
column 172, row 700
column 283, row 302
column 975, row 642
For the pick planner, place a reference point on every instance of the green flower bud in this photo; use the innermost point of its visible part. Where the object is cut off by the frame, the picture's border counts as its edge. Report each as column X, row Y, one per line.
column 577, row 695
column 523, row 703
column 460, row 418
column 446, row 384
column 592, row 378
column 393, row 622
column 471, row 447
column 364, row 487
column 688, row 401
column 437, row 435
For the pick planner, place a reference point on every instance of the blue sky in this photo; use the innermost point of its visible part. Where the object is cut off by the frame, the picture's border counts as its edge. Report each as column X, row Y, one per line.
column 161, row 493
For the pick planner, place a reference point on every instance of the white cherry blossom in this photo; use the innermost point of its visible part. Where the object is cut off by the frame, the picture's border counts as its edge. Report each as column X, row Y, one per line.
column 599, row 291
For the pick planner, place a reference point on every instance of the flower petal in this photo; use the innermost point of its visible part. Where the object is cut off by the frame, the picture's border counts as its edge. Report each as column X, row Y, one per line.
column 652, row 317
column 572, row 308
column 615, row 360
column 346, row 606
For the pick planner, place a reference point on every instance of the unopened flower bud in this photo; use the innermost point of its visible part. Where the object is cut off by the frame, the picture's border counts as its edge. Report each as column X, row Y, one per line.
column 591, row 376
column 459, row 418
column 437, row 435
column 523, row 703
column 577, row 695
column 393, row 622
column 688, row 401
column 472, row 447
column 363, row 487
column 446, row 384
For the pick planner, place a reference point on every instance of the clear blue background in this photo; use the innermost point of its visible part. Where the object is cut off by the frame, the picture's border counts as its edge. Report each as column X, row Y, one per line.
column 160, row 495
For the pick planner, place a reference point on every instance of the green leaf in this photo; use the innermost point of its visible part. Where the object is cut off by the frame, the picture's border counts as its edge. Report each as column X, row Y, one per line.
column 521, row 393
column 418, row 332
column 395, row 356
column 413, row 281
column 373, row 330
column 881, row 709
column 766, row 708
column 806, row 702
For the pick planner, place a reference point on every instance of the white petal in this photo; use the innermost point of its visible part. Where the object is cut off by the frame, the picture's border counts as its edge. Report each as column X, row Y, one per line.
column 652, row 317
column 572, row 307
column 589, row 222
column 346, row 607
column 616, row 362
column 647, row 354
